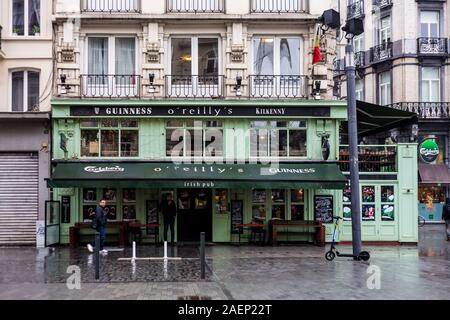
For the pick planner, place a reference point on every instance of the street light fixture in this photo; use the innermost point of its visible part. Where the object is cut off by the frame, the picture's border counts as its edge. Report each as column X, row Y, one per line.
column 151, row 78
column 353, row 27
column 238, row 86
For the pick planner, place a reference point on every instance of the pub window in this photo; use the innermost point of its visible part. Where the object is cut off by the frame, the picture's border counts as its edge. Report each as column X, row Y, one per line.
column 298, row 205
column 387, row 203
column 194, row 138
column 278, row 204
column 368, row 203
column 278, row 139
column 347, row 203
column 259, row 204
column 26, row 17
column 109, row 138
column 129, row 204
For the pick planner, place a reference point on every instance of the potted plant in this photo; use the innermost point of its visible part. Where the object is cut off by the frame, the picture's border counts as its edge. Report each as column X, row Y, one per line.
column 36, row 30
column 16, row 31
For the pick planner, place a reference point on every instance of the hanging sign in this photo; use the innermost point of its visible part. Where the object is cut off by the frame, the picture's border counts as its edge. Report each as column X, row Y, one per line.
column 429, row 150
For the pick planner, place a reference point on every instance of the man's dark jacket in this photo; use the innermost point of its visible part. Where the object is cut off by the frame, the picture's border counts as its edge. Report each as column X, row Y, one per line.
column 169, row 211
column 100, row 216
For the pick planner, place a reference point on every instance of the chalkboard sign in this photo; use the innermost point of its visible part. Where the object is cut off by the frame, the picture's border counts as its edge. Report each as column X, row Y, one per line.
column 65, row 206
column 323, row 209
column 237, row 216
column 152, row 215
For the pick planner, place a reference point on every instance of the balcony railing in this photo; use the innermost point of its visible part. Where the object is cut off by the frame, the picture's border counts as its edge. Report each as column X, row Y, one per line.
column 195, row 6
column 377, row 159
column 279, row 87
column 110, row 86
column 279, row 6
column 432, row 46
column 381, row 52
column 355, row 10
column 425, row 110
column 178, row 86
column 360, row 59
column 382, row 3
column 125, row 6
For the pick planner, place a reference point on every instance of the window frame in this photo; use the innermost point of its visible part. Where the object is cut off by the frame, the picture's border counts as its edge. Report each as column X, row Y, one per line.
column 269, row 129
column 26, row 19
column 438, row 23
column 112, row 52
column 277, row 52
column 439, row 79
column 119, row 129
column 194, row 53
column 25, row 87
column 379, row 85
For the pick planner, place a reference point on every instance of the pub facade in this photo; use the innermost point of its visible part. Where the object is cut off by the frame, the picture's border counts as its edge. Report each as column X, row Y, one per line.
column 226, row 112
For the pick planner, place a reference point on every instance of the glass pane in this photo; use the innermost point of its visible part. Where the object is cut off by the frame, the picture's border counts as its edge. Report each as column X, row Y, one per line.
column 18, row 23
column 278, row 124
column 388, row 212
column 297, row 124
column 17, row 91
column 98, row 57
column 347, row 194
column 259, row 212
column 435, row 91
column 90, row 195
column 429, row 17
column 129, row 195
column 129, row 124
column 174, row 142
column 298, row 195
column 174, row 124
column 278, row 196
column 297, row 143
column 129, row 143
column 221, row 200
column 125, row 56
column 33, row 91
column 258, row 124
column 89, row 143
column 278, row 211
column 259, row 143
column 430, row 73
column 110, row 143
column 347, row 211
column 263, row 58
column 181, row 57
column 368, row 212
column 213, row 143
column 129, row 212
column 34, row 17
column 89, row 124
column 290, row 56
column 194, row 142
column 259, row 196
column 368, row 194
column 214, row 124
column 110, row 123
column 110, row 194
column 278, row 143
column 387, row 194
column 297, row 212
column 208, row 57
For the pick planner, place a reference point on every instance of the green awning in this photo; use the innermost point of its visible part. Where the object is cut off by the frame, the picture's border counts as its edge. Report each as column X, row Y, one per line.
column 144, row 175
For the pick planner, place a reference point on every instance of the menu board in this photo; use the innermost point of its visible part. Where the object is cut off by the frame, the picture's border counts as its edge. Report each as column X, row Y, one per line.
column 65, row 214
column 152, row 216
column 236, row 216
column 323, row 209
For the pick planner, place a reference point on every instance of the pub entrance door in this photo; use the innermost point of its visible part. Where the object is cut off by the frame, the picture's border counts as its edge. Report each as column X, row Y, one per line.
column 194, row 214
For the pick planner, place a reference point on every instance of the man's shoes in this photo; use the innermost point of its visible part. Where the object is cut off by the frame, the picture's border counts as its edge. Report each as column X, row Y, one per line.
column 104, row 251
column 90, row 248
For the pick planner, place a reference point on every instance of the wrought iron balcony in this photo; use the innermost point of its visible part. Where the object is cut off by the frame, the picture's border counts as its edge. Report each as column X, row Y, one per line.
column 279, row 87
column 179, row 86
column 120, row 6
column 360, row 59
column 110, row 86
column 355, row 10
column 195, row 6
column 372, row 159
column 338, row 67
column 381, row 52
column 425, row 110
column 432, row 46
column 382, row 3
column 279, row 6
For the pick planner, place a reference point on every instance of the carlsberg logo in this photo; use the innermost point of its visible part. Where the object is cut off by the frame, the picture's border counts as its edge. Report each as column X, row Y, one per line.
column 94, row 169
column 429, row 151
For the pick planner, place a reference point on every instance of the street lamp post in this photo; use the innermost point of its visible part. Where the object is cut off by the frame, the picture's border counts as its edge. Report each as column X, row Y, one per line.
column 350, row 71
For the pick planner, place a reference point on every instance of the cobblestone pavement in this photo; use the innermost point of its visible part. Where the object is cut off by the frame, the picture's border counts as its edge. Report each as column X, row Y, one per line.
column 246, row 272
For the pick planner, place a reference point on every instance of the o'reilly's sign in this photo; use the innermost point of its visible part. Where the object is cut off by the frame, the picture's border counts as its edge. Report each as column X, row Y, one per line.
column 199, row 111
column 429, row 150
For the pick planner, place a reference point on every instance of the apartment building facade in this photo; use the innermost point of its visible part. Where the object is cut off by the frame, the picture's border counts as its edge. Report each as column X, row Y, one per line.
column 215, row 102
column 402, row 61
column 26, row 86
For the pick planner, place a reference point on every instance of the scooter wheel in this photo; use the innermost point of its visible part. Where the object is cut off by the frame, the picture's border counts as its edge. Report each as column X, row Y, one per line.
column 364, row 256
column 330, row 255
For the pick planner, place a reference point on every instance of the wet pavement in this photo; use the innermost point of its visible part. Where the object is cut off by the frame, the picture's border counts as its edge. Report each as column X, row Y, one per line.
column 245, row 272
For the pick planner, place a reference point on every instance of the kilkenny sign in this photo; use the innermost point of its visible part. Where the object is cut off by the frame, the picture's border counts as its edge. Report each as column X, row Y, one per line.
column 196, row 111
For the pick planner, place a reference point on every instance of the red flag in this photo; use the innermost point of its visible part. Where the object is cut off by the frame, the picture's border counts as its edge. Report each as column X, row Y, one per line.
column 317, row 56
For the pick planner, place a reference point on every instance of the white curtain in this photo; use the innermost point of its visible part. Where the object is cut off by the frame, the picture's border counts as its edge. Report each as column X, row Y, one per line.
column 34, row 16
column 98, row 56
column 17, row 91
column 125, row 56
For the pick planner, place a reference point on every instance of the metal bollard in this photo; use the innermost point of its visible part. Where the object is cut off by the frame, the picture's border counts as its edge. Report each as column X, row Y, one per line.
column 165, row 251
column 97, row 256
column 134, row 251
column 202, row 255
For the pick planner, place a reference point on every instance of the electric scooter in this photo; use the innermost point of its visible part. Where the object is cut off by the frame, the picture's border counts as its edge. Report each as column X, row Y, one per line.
column 330, row 255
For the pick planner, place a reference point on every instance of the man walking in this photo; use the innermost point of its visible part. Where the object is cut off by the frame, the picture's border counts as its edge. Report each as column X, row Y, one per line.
column 169, row 212
column 99, row 224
